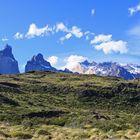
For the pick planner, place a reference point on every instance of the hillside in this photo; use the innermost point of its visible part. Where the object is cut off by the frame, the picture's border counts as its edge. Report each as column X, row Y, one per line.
column 48, row 105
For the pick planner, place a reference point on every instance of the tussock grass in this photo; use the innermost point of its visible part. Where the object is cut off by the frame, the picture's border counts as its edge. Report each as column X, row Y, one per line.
column 48, row 105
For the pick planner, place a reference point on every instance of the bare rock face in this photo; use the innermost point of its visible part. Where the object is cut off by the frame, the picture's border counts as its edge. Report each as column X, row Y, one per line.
column 38, row 63
column 127, row 72
column 8, row 64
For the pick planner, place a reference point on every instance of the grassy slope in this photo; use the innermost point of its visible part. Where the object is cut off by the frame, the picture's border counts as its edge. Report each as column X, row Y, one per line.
column 46, row 105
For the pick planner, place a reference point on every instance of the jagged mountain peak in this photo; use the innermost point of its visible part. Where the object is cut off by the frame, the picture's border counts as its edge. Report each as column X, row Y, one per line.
column 108, row 69
column 8, row 47
column 37, row 57
column 39, row 60
column 38, row 63
column 86, row 62
column 7, row 51
column 8, row 64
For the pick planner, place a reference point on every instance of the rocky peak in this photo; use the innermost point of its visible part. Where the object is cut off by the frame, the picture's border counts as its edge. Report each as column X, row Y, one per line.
column 38, row 63
column 86, row 63
column 7, row 51
column 93, row 63
column 38, row 57
column 8, row 64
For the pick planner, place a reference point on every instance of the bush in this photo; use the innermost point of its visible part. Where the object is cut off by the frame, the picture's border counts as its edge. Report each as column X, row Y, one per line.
column 57, row 121
column 42, row 132
column 22, row 135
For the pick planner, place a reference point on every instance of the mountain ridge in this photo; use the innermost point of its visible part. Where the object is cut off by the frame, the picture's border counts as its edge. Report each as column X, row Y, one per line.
column 9, row 65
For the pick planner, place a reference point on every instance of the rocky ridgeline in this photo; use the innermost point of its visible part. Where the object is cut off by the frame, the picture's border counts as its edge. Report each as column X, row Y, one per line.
column 38, row 63
column 9, row 65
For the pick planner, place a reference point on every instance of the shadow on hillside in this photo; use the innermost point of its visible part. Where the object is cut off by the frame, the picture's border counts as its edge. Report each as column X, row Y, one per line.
column 47, row 114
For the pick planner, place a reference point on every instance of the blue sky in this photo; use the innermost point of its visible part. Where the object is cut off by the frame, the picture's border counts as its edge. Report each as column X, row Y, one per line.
column 99, row 30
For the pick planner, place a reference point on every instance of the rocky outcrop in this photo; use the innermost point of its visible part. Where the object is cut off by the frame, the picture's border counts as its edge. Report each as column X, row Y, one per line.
column 38, row 63
column 8, row 64
column 127, row 72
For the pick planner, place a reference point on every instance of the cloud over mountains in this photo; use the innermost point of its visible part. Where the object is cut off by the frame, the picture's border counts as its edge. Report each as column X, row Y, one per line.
column 100, row 42
column 108, row 45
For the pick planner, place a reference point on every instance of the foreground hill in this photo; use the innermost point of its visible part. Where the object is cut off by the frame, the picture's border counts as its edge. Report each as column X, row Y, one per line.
column 48, row 105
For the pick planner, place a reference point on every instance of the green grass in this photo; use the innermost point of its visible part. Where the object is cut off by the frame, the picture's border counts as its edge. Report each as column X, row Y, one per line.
column 47, row 105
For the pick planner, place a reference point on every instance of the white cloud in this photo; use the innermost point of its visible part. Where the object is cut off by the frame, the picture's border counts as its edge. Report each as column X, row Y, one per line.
column 61, row 27
column 18, row 35
column 72, row 62
column 108, row 45
column 69, row 32
column 76, row 32
column 101, row 38
column 93, row 12
column 112, row 46
column 135, row 31
column 134, row 10
column 4, row 39
column 35, row 31
column 66, row 37
column 75, row 59
column 53, row 60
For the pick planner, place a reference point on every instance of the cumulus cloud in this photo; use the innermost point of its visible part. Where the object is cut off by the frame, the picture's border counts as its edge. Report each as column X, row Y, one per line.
column 61, row 27
column 134, row 10
column 66, row 37
column 72, row 62
column 93, row 12
column 53, row 60
column 101, row 38
column 74, row 31
column 108, row 45
column 112, row 46
column 35, row 31
column 69, row 32
column 18, row 35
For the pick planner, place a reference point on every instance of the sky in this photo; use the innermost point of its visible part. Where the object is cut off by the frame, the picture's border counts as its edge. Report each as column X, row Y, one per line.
column 66, row 31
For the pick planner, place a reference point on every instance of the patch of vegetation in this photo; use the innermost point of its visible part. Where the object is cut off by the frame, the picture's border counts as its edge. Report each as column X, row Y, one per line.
column 49, row 105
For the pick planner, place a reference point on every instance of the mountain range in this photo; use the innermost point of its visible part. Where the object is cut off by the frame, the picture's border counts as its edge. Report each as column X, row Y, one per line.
column 128, row 71
column 9, row 65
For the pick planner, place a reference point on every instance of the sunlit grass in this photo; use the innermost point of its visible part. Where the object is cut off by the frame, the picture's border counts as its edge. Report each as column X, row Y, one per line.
column 58, row 106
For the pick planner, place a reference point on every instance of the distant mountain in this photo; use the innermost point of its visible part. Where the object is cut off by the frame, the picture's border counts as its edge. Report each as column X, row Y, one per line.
column 38, row 63
column 65, row 70
column 8, row 64
column 128, row 71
